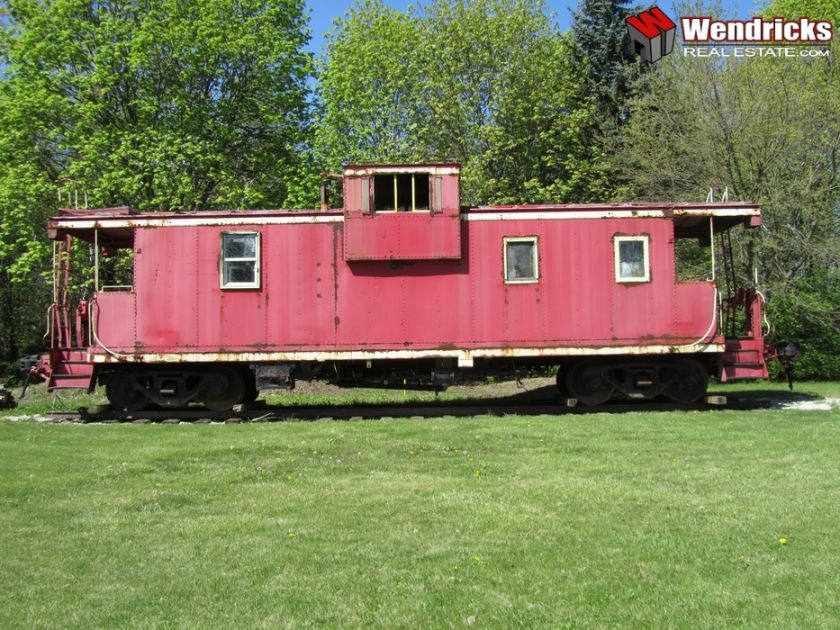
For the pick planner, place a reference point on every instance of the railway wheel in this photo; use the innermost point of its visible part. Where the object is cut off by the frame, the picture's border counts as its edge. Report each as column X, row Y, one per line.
column 587, row 382
column 223, row 389
column 689, row 383
column 125, row 393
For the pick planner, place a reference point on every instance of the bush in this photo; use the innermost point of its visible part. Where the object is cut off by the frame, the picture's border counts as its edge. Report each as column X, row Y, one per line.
column 806, row 312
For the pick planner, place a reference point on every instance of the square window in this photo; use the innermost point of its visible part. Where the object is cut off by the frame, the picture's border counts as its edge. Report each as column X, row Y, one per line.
column 520, row 259
column 632, row 261
column 240, row 260
column 401, row 192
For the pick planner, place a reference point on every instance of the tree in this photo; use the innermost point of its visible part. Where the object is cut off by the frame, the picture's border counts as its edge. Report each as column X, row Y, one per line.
column 156, row 104
column 602, row 48
column 539, row 147
column 507, row 101
column 370, row 87
column 165, row 104
column 487, row 83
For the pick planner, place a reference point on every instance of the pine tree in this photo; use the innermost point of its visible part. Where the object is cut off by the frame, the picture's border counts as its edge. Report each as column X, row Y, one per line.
column 602, row 47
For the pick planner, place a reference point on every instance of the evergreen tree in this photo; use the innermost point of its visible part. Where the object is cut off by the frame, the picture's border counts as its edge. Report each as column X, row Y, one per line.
column 602, row 48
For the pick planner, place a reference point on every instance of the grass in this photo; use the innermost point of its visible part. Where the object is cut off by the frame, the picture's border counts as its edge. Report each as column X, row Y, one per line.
column 639, row 519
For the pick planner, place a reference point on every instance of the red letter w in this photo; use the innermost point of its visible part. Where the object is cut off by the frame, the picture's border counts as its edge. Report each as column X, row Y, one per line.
column 651, row 33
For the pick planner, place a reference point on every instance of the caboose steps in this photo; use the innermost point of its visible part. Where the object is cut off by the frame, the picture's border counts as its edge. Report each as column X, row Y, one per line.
column 743, row 359
column 70, row 369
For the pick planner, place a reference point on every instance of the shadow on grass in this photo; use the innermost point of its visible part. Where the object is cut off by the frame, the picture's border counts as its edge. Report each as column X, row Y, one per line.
column 774, row 394
column 549, row 393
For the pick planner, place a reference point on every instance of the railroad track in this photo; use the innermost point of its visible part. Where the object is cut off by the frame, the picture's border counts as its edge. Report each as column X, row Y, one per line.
column 261, row 412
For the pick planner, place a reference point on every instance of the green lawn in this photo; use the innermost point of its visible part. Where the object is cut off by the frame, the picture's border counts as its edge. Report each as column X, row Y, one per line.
column 639, row 519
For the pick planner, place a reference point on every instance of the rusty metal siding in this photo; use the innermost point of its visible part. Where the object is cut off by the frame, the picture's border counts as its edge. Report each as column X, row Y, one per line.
column 314, row 303
column 300, row 288
column 641, row 309
column 165, row 282
column 237, row 315
column 464, row 356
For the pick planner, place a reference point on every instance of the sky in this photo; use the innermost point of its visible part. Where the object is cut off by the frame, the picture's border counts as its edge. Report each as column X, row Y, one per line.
column 324, row 11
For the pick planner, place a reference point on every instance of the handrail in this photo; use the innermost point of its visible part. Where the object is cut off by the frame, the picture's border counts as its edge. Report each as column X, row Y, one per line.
column 764, row 312
column 49, row 323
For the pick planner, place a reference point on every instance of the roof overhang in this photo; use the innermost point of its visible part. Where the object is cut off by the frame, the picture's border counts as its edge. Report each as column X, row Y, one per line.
column 690, row 219
column 115, row 226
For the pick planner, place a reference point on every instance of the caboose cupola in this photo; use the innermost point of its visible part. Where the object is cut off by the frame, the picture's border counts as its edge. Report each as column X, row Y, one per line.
column 402, row 212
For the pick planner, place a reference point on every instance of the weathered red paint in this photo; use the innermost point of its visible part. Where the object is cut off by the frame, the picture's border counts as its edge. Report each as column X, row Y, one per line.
column 402, row 236
column 177, row 302
column 431, row 234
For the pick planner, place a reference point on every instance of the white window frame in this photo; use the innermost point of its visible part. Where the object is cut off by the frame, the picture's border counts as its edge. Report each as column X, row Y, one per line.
column 645, row 240
column 255, row 259
column 521, row 239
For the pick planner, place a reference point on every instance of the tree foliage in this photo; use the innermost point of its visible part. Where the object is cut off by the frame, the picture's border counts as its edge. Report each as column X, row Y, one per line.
column 163, row 104
column 806, row 312
column 368, row 87
column 612, row 71
column 156, row 104
column 488, row 83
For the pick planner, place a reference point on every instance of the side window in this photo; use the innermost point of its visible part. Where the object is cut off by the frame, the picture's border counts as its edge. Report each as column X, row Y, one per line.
column 240, row 260
column 401, row 192
column 521, row 260
column 632, row 260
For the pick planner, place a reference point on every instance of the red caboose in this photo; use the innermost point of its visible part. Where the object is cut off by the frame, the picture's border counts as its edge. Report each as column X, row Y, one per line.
column 401, row 286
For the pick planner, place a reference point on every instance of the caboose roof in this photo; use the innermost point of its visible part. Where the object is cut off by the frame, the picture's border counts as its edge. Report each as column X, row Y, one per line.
column 432, row 168
column 115, row 225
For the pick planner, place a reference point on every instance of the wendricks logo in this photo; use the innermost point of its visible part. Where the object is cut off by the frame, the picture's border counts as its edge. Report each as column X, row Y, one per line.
column 652, row 36
column 756, row 31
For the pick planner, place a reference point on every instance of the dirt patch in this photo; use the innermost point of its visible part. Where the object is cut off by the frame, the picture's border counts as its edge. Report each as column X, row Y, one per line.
column 495, row 389
column 503, row 389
